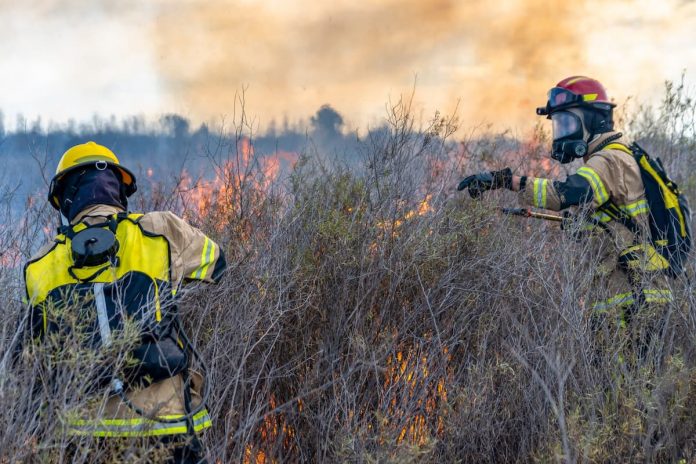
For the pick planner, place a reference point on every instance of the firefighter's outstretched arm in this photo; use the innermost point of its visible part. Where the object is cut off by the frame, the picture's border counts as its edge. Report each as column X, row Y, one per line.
column 554, row 195
column 535, row 191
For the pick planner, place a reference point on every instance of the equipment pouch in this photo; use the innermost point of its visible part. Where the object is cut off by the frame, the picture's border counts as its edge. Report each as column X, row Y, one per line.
column 642, row 258
column 157, row 360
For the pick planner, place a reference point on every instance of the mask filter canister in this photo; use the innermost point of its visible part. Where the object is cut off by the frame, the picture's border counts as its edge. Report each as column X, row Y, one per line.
column 94, row 246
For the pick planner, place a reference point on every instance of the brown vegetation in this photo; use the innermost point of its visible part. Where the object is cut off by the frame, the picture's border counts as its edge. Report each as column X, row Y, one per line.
column 373, row 314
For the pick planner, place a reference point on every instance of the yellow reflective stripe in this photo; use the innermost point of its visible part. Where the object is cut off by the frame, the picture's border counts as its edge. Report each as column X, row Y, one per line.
column 196, row 274
column 671, row 200
column 623, row 299
column 158, row 308
column 130, row 433
column 206, row 245
column 138, row 427
column 135, row 420
column 626, row 299
column 601, row 216
column 208, row 260
column 539, row 199
column 176, row 430
column 591, row 176
column 634, row 209
column 658, row 296
column 589, row 97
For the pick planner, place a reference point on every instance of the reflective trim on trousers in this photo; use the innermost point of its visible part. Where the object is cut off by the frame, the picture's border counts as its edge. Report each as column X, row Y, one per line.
column 627, row 299
column 138, row 427
column 658, row 296
column 601, row 216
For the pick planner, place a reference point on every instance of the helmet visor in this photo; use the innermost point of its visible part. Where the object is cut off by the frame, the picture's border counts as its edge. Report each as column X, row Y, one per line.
column 559, row 97
column 565, row 124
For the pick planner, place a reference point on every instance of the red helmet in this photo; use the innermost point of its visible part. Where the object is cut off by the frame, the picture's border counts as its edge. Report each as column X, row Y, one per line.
column 576, row 91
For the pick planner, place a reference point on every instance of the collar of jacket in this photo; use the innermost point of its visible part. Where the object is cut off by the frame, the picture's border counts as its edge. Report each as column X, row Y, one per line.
column 96, row 212
column 600, row 141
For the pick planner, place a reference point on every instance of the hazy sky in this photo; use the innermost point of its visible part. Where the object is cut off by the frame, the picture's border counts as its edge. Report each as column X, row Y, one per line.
column 65, row 59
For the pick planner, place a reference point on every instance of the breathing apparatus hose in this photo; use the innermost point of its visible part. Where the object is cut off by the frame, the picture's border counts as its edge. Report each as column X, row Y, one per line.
column 118, row 388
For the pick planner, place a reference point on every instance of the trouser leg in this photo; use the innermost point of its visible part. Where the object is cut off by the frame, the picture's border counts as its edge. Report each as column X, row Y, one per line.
column 189, row 451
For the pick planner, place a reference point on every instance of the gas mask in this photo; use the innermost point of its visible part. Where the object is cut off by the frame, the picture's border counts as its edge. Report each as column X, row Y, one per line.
column 569, row 139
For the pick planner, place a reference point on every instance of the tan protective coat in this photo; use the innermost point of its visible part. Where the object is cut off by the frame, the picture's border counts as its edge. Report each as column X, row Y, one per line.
column 619, row 182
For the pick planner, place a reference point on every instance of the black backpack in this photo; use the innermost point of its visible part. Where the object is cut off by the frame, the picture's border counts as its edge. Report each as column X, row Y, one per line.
column 670, row 214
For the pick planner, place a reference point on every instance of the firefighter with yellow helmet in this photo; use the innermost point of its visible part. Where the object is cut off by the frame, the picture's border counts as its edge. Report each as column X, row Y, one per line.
column 634, row 259
column 117, row 269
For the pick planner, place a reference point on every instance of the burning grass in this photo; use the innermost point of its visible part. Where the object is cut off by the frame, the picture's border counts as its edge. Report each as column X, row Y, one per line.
column 371, row 314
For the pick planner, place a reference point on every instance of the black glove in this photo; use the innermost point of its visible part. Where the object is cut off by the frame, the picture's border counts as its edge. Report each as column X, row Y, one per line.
column 479, row 183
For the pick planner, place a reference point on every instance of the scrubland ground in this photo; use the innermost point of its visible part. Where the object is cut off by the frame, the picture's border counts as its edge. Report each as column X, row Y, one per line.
column 372, row 313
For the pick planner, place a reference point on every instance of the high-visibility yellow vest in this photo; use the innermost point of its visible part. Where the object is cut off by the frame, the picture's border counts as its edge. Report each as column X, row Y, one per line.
column 139, row 283
column 135, row 286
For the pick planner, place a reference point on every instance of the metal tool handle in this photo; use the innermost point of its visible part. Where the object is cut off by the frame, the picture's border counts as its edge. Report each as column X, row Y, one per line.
column 531, row 214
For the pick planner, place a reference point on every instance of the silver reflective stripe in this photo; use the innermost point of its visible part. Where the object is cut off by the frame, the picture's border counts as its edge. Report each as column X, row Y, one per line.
column 103, row 317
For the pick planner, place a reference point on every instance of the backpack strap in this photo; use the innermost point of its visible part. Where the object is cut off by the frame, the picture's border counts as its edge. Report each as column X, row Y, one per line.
column 619, row 146
column 610, row 207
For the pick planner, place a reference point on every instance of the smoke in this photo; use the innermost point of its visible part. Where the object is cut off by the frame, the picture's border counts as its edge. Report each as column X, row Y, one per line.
column 193, row 57
column 522, row 49
column 499, row 58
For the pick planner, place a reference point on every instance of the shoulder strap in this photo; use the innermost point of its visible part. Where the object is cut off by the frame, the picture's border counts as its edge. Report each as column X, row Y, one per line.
column 132, row 217
column 69, row 231
column 619, row 146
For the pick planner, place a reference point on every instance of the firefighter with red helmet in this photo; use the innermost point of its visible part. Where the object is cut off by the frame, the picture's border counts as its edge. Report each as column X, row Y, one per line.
column 608, row 188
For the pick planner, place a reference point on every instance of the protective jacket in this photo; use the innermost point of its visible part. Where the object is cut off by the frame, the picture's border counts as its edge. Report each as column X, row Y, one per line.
column 157, row 251
column 630, row 270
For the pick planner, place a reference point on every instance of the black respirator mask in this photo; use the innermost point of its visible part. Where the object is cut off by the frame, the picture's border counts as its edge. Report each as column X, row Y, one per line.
column 569, row 141
column 91, row 186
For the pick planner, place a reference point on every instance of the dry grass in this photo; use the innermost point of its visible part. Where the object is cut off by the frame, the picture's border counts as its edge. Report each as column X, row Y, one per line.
column 373, row 314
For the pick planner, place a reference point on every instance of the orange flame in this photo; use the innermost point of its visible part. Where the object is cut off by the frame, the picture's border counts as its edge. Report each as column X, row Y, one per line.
column 407, row 372
column 244, row 170
column 273, row 428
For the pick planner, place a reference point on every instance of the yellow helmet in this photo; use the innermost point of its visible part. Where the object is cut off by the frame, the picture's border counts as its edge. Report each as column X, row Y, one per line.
column 86, row 154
